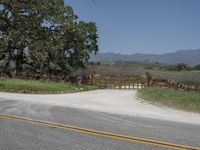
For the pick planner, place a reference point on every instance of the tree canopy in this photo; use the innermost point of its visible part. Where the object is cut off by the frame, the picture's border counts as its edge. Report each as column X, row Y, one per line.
column 45, row 37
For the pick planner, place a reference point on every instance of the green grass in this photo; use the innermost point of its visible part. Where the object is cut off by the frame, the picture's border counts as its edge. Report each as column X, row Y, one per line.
column 40, row 86
column 142, row 64
column 189, row 101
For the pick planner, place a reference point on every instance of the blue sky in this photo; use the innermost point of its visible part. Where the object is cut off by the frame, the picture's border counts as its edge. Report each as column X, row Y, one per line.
column 143, row 26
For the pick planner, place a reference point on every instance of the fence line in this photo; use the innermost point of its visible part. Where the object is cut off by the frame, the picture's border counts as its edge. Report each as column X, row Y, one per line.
column 122, row 81
column 160, row 82
column 119, row 81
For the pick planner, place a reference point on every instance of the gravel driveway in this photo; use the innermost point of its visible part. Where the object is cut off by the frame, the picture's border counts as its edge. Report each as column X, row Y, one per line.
column 122, row 102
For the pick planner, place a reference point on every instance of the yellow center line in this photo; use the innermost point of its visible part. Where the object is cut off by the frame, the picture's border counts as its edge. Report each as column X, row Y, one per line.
column 100, row 133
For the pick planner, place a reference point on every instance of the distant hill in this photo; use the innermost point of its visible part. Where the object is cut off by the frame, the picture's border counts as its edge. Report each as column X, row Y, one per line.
column 190, row 57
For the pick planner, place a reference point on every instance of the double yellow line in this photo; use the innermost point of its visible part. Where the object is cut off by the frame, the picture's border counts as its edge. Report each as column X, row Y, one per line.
column 100, row 133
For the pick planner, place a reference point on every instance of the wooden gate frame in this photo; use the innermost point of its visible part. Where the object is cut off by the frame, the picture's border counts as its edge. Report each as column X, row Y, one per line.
column 145, row 80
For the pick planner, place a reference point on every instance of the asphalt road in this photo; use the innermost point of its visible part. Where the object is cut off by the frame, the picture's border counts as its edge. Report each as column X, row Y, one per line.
column 19, row 135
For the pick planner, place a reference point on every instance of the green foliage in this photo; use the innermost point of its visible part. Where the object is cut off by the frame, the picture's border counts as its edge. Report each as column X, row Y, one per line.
column 182, row 67
column 197, row 67
column 179, row 67
column 172, row 98
column 46, row 35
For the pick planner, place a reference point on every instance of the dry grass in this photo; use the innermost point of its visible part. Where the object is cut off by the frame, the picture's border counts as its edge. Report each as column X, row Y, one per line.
column 189, row 101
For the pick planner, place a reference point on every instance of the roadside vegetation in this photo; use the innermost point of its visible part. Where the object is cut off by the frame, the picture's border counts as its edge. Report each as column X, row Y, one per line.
column 189, row 101
column 43, row 38
column 40, row 86
column 44, row 41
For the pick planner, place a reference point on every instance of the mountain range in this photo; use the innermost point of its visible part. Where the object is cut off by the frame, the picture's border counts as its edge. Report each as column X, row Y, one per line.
column 190, row 57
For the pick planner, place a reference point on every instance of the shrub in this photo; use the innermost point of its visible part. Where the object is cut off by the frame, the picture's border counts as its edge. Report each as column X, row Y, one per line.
column 197, row 67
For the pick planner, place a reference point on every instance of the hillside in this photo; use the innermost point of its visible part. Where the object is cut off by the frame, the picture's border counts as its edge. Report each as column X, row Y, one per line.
column 190, row 57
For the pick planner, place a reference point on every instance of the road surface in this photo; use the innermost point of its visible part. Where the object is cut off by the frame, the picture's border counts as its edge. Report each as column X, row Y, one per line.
column 112, row 111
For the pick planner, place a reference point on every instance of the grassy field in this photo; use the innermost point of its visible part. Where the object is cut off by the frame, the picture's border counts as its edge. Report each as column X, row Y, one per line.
column 141, row 64
column 40, row 86
column 138, row 68
column 186, row 77
column 189, row 101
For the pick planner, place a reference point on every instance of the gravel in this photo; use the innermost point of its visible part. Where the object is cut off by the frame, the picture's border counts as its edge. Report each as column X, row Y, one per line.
column 122, row 102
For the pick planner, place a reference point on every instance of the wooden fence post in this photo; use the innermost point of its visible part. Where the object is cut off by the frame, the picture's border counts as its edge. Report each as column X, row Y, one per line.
column 93, row 78
column 148, row 78
column 120, row 81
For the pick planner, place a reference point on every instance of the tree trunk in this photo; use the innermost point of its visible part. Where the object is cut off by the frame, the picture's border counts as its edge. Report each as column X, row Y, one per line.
column 6, row 63
column 19, row 62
